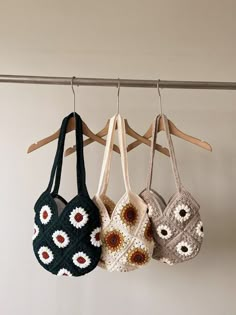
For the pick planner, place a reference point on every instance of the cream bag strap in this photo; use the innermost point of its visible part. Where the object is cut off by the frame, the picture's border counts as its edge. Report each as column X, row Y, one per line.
column 171, row 149
column 106, row 165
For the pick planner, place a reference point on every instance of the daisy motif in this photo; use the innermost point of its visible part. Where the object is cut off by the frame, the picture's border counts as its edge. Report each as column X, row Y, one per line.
column 78, row 217
column 36, row 231
column 184, row 249
column 182, row 213
column 60, row 238
column 64, row 272
column 45, row 255
column 81, row 260
column 164, row 232
column 45, row 214
column 95, row 237
column 166, row 261
column 199, row 229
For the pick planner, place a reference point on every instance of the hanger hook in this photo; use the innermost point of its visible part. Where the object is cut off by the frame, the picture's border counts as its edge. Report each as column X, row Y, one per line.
column 159, row 93
column 118, row 96
column 73, row 91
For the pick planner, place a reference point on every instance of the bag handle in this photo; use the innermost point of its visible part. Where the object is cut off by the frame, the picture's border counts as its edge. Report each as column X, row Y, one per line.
column 175, row 171
column 106, row 165
column 58, row 161
column 123, row 152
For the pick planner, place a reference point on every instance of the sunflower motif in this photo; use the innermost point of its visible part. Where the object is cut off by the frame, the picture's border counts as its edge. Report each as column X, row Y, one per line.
column 45, row 255
column 138, row 257
column 166, row 261
column 64, row 272
column 61, row 239
column 81, row 260
column 184, row 249
column 95, row 237
column 113, row 240
column 199, row 229
column 164, row 232
column 45, row 214
column 182, row 213
column 78, row 217
column 129, row 214
column 36, row 231
column 148, row 232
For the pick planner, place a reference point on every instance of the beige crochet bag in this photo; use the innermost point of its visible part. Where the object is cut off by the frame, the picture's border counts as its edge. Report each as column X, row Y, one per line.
column 177, row 227
column 126, row 236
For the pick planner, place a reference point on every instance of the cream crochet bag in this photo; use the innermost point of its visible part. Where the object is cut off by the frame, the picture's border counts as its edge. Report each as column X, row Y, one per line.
column 126, row 235
column 177, row 227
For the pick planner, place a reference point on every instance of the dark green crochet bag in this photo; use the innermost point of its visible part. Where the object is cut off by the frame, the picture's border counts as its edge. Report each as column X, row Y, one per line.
column 66, row 238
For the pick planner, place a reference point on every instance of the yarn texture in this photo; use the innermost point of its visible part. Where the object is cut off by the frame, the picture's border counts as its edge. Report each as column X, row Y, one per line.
column 177, row 226
column 127, row 241
column 66, row 238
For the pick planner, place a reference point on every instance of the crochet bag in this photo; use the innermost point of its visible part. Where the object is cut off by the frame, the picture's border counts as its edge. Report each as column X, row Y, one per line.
column 66, row 238
column 126, row 235
column 177, row 227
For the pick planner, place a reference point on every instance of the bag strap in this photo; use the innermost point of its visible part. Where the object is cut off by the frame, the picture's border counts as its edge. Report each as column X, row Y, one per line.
column 58, row 161
column 123, row 152
column 106, row 165
column 155, row 126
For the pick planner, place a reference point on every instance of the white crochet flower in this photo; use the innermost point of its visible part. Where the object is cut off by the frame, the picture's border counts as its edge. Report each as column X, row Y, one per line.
column 45, row 214
column 81, row 260
column 150, row 210
column 78, row 217
column 166, row 261
column 164, row 232
column 184, row 249
column 60, row 238
column 95, row 237
column 64, row 272
column 45, row 255
column 182, row 213
column 36, row 231
column 199, row 229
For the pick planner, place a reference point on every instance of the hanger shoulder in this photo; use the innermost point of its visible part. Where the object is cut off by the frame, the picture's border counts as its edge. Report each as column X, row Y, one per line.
column 136, row 143
column 144, row 140
column 54, row 136
column 174, row 131
column 180, row 134
column 92, row 138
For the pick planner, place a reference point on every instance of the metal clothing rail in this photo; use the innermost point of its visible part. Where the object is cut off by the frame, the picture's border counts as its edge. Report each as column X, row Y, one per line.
column 114, row 82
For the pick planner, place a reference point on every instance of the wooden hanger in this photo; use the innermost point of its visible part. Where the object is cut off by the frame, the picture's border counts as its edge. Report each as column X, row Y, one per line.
column 144, row 140
column 174, row 131
column 129, row 131
column 101, row 133
column 70, row 127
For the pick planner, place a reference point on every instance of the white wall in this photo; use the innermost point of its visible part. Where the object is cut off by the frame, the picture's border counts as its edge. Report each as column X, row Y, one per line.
column 182, row 40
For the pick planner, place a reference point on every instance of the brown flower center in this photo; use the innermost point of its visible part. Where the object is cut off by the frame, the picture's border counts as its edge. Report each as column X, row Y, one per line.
column 129, row 214
column 45, row 214
column 78, row 217
column 138, row 257
column 81, row 260
column 60, row 238
column 45, row 255
column 113, row 240
column 97, row 237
